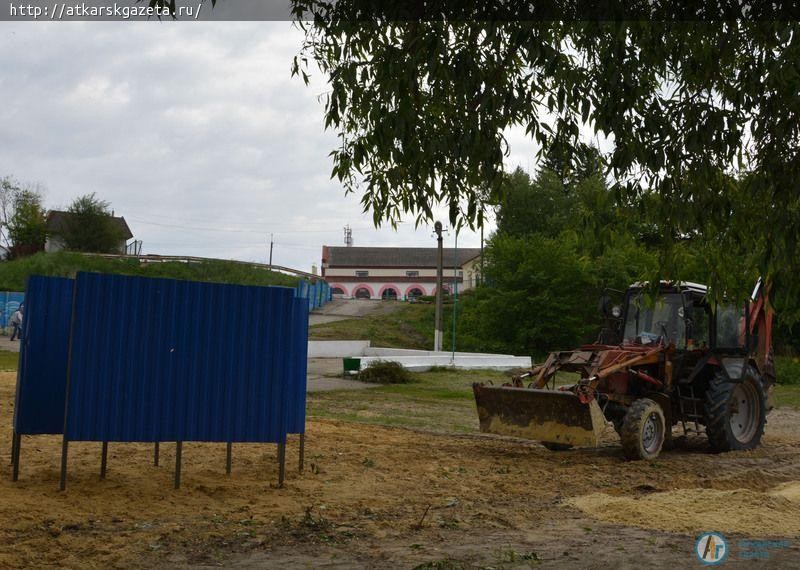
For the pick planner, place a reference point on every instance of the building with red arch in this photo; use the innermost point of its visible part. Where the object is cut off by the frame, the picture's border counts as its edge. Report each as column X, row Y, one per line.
column 396, row 272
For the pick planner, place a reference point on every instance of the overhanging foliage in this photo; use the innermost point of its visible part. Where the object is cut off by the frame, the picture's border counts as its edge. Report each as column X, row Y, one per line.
column 702, row 115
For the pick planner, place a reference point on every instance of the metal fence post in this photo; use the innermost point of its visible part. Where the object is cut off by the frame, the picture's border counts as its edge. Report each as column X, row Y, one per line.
column 64, row 449
column 178, row 453
column 16, row 443
column 104, row 460
column 302, row 451
column 281, row 463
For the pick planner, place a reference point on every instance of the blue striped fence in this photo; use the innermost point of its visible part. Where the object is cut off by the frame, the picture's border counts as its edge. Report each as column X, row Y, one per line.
column 141, row 364
column 318, row 293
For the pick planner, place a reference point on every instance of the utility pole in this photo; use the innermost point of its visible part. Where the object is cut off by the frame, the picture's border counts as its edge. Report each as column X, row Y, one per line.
column 455, row 296
column 481, row 276
column 270, row 250
column 438, row 332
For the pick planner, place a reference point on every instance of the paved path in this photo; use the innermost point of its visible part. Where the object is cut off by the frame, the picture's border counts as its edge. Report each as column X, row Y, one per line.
column 326, row 373
column 343, row 309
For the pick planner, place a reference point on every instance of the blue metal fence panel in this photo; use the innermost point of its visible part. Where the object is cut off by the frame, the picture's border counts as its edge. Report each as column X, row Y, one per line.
column 9, row 302
column 312, row 301
column 317, row 293
column 298, row 333
column 166, row 360
column 42, row 371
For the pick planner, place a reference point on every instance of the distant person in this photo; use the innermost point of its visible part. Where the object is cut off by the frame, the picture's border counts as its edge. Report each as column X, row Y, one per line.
column 16, row 324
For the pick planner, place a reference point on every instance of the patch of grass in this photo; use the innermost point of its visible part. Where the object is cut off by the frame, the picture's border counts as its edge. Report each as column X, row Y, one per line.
column 788, row 395
column 313, row 528
column 380, row 372
column 787, row 368
column 511, row 556
column 14, row 274
column 8, row 360
column 438, row 401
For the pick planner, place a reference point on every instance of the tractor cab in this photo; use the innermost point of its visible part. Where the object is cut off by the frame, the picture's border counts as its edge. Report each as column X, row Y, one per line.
column 679, row 314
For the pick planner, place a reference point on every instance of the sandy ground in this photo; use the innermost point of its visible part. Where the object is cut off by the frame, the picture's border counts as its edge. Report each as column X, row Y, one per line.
column 343, row 309
column 385, row 497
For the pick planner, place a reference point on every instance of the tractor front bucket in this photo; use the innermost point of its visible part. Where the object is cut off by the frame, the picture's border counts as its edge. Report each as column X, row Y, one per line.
column 549, row 416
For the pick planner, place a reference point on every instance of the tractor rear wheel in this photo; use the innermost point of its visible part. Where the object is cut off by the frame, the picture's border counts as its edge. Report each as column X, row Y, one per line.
column 736, row 412
column 643, row 430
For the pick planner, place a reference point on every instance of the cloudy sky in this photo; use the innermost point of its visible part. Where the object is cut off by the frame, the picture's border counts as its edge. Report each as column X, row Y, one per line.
column 194, row 131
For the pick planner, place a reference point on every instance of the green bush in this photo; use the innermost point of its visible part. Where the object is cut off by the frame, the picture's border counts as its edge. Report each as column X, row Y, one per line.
column 382, row 372
column 787, row 369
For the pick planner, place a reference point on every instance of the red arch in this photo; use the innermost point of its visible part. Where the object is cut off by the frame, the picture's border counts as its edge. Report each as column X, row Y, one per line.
column 446, row 287
column 340, row 286
column 415, row 286
column 388, row 286
column 365, row 286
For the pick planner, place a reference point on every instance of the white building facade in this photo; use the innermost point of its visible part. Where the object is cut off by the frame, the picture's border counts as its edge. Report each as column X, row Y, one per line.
column 396, row 272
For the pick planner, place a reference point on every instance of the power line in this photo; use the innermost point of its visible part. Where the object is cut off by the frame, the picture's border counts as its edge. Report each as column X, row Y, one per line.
column 229, row 230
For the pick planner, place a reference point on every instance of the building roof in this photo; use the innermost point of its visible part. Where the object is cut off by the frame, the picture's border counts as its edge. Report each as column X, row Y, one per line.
column 396, row 256
column 57, row 222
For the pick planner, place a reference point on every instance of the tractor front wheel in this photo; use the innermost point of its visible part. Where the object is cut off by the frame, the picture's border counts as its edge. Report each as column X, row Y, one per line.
column 643, row 430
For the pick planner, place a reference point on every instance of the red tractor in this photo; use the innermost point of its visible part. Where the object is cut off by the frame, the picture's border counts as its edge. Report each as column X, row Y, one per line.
column 675, row 357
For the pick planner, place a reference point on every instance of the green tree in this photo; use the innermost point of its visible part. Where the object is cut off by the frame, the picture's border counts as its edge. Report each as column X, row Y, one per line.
column 535, row 206
column 90, row 226
column 27, row 227
column 9, row 188
column 572, row 165
column 22, row 224
column 421, row 94
column 558, row 245
column 540, row 297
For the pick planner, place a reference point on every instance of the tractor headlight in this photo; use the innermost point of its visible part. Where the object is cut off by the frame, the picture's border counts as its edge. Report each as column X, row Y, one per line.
column 616, row 311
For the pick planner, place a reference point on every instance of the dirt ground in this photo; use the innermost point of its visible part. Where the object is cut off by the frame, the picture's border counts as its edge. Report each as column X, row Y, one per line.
column 388, row 497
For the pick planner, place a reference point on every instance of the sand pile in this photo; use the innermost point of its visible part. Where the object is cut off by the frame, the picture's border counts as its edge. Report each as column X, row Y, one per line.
column 743, row 511
column 789, row 490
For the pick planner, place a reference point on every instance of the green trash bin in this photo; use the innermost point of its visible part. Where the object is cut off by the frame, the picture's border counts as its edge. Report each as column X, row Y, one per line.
column 351, row 366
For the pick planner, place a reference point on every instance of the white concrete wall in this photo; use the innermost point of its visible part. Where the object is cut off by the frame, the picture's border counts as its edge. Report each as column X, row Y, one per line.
column 336, row 348
column 415, row 360
column 425, row 362
column 379, row 351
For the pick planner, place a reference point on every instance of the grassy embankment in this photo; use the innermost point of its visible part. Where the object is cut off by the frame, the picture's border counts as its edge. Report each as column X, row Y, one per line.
column 14, row 274
column 409, row 326
column 439, row 400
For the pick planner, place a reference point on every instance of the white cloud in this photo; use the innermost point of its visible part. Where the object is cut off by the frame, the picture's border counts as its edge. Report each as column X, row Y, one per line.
column 195, row 132
column 99, row 92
